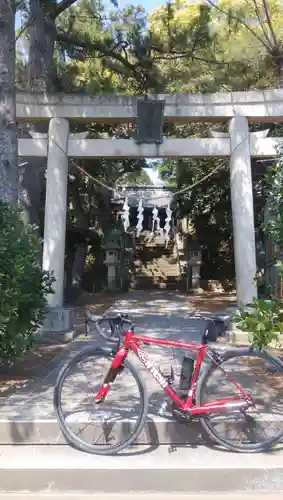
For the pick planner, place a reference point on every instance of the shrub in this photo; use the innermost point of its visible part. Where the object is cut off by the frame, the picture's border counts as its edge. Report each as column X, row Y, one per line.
column 263, row 322
column 23, row 286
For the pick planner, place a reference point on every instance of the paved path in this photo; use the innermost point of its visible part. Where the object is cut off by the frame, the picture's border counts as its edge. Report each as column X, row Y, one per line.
column 160, row 314
column 28, row 416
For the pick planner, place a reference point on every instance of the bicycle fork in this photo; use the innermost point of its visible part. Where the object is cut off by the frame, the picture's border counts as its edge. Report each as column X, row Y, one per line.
column 115, row 368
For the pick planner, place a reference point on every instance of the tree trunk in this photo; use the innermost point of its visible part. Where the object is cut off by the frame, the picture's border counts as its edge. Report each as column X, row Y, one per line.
column 42, row 36
column 277, row 60
column 80, row 252
column 70, row 253
column 279, row 63
column 9, row 171
column 79, row 265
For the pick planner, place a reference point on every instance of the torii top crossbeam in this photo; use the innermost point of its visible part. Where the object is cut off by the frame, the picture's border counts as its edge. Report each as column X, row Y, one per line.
column 258, row 106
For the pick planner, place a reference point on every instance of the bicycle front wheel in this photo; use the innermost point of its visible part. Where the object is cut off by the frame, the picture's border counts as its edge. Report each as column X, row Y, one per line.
column 110, row 426
column 258, row 427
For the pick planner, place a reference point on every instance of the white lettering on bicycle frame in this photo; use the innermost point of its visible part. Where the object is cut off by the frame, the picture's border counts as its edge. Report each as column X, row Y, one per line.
column 152, row 369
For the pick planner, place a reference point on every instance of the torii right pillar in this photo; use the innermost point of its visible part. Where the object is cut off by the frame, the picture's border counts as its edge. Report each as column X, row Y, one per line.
column 242, row 211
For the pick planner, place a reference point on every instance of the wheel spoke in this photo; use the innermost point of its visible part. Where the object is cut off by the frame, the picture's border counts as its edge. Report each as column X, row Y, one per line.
column 257, row 427
column 115, row 422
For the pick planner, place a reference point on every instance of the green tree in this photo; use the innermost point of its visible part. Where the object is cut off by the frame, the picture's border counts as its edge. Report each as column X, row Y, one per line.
column 9, row 172
column 249, row 38
column 135, row 177
column 52, row 35
column 23, row 285
column 183, row 46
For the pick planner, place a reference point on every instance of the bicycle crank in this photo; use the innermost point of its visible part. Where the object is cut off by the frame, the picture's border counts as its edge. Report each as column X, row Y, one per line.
column 182, row 415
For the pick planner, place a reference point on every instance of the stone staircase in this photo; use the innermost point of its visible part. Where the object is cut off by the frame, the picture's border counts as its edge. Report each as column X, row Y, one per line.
column 155, row 266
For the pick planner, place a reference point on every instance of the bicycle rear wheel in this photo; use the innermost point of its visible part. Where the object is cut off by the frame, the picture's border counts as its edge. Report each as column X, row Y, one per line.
column 254, row 429
column 110, row 426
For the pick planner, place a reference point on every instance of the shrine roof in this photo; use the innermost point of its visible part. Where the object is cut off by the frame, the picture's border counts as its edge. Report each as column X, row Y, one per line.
column 151, row 195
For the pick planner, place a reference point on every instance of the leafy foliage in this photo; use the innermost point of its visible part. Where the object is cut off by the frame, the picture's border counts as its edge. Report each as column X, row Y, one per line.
column 248, row 36
column 274, row 188
column 135, row 177
column 23, row 286
column 264, row 322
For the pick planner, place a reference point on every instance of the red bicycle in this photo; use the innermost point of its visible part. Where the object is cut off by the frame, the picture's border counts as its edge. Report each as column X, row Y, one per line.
column 190, row 399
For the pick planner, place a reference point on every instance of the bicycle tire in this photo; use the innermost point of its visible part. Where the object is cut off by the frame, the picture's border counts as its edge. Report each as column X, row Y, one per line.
column 74, row 440
column 207, row 426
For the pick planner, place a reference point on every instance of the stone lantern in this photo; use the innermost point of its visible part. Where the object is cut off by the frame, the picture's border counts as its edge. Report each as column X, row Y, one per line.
column 112, row 260
column 194, row 264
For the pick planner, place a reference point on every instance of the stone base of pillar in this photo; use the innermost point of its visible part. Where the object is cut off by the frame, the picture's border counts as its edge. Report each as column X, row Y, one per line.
column 57, row 327
column 196, row 291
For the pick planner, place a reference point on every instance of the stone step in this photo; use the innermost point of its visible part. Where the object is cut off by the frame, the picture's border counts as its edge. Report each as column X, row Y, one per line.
column 140, row 496
column 155, row 279
column 34, row 430
column 153, row 264
column 161, row 428
column 171, row 268
column 27, row 417
column 150, row 272
column 152, row 285
column 61, row 469
column 154, row 274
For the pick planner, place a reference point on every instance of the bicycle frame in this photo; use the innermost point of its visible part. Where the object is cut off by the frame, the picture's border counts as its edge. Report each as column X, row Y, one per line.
column 131, row 342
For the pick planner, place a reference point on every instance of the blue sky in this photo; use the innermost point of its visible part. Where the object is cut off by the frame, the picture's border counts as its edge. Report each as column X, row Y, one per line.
column 147, row 4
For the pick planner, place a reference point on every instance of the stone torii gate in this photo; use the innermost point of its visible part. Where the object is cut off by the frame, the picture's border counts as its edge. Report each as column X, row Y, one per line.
column 236, row 108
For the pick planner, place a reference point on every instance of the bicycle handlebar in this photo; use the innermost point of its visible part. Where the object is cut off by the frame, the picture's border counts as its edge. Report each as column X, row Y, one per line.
column 115, row 320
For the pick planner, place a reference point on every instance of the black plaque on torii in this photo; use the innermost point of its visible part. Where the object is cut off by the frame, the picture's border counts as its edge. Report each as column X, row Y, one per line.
column 150, row 121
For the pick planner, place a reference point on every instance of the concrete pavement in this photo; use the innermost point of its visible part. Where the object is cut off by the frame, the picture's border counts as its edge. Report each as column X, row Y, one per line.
column 140, row 496
column 46, row 466
column 27, row 417
column 60, row 469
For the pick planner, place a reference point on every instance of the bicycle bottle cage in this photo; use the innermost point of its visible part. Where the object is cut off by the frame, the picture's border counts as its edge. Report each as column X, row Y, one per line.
column 187, row 371
column 170, row 377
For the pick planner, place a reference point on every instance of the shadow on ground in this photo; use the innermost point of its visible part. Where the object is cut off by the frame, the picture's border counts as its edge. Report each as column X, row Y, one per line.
column 27, row 416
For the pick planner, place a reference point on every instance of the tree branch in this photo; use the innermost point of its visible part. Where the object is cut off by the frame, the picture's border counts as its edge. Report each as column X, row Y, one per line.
column 261, row 22
column 266, row 10
column 62, row 6
column 239, row 20
column 172, row 57
column 97, row 46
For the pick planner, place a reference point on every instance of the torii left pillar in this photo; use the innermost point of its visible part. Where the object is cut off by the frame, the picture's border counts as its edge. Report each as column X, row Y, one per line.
column 58, row 321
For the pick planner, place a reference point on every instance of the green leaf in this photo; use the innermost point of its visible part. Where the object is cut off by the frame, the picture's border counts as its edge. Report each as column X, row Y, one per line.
column 23, row 286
